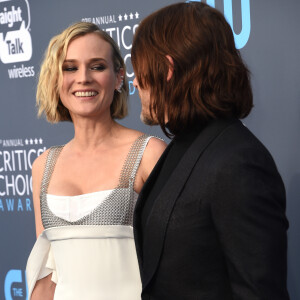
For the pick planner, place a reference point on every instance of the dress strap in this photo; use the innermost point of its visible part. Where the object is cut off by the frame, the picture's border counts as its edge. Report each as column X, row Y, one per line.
column 133, row 160
column 49, row 167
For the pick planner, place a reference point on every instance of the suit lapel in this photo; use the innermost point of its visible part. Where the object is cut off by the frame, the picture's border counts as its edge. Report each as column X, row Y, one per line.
column 163, row 205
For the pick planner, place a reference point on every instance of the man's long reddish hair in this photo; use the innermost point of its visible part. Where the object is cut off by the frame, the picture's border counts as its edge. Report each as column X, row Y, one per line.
column 209, row 78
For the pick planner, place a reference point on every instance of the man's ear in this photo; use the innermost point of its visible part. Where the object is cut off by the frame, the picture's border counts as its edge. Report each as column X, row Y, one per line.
column 171, row 67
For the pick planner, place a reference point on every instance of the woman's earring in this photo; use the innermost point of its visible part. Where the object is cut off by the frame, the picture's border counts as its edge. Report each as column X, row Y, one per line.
column 119, row 90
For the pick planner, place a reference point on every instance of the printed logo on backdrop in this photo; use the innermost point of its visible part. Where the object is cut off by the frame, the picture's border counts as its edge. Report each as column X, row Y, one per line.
column 15, row 37
column 121, row 27
column 16, row 158
column 15, row 286
column 242, row 38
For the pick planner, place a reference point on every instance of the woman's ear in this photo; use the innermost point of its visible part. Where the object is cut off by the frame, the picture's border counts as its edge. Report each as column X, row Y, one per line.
column 171, row 67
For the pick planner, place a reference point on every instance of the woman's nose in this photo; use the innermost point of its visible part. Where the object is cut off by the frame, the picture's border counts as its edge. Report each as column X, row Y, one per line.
column 84, row 76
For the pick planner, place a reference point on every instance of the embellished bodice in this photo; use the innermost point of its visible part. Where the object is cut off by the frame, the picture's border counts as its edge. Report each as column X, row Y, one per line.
column 73, row 208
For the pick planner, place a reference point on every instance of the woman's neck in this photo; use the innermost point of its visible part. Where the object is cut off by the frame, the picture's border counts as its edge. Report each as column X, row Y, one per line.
column 90, row 134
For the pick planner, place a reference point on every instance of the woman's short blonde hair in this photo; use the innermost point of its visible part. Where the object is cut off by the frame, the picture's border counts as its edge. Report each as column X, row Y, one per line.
column 50, row 79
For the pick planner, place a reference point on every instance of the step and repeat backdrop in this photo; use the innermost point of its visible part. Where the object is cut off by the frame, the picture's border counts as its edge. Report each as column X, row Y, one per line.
column 267, row 34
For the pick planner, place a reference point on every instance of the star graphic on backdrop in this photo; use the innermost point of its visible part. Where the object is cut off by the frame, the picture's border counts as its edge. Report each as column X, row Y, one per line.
column 120, row 18
column 36, row 141
column 137, row 15
column 131, row 16
column 26, row 142
column 31, row 141
column 125, row 17
column 41, row 141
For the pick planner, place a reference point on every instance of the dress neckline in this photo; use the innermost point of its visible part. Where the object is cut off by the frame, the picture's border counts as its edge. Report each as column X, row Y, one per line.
column 84, row 195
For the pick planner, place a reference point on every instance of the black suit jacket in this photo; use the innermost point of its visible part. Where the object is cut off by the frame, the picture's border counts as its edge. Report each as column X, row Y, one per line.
column 217, row 229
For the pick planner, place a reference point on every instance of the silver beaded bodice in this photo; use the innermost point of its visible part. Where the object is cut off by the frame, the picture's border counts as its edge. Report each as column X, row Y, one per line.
column 116, row 209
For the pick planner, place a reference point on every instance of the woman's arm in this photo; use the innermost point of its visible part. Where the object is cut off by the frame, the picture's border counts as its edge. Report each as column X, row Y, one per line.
column 44, row 288
column 153, row 152
column 37, row 175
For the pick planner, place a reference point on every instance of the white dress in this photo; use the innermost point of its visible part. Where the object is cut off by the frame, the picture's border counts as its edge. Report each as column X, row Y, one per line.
column 88, row 243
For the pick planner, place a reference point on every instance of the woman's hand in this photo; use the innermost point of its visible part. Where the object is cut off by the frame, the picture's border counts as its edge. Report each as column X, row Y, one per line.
column 44, row 289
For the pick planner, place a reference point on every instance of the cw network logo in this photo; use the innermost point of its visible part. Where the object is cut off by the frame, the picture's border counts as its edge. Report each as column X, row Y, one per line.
column 15, row 286
column 242, row 38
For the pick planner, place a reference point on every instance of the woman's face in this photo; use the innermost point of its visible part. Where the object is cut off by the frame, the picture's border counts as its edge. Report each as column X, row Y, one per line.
column 89, row 79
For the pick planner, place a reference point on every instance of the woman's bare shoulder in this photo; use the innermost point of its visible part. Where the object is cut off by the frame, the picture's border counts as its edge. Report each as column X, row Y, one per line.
column 155, row 143
column 134, row 134
column 152, row 153
column 154, row 149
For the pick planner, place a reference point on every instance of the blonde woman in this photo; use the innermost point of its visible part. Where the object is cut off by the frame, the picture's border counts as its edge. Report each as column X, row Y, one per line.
column 85, row 191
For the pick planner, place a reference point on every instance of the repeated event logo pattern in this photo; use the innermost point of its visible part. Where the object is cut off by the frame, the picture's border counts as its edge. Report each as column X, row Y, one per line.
column 16, row 158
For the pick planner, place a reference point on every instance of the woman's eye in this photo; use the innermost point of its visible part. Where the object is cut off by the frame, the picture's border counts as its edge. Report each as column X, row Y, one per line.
column 98, row 67
column 69, row 69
